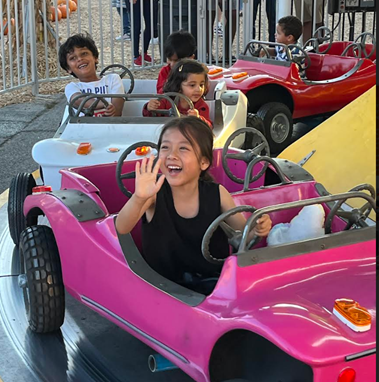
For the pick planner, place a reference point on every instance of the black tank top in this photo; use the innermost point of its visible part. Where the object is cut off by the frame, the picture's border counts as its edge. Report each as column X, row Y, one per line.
column 172, row 244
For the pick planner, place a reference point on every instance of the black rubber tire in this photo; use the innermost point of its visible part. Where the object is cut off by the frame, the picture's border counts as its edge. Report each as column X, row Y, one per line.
column 39, row 257
column 268, row 112
column 255, row 121
column 21, row 186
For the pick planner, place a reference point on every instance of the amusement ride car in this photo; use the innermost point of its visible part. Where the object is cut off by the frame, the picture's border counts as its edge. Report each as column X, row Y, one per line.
column 301, row 311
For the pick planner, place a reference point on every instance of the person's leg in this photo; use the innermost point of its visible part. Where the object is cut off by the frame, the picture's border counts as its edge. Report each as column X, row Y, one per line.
column 155, row 18
column 271, row 16
column 255, row 12
column 307, row 17
column 229, row 38
column 126, row 17
column 147, row 31
column 136, row 27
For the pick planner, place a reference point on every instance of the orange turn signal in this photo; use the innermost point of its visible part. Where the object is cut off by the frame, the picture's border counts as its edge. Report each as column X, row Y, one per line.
column 213, row 73
column 143, row 150
column 356, row 317
column 40, row 189
column 240, row 76
column 84, row 148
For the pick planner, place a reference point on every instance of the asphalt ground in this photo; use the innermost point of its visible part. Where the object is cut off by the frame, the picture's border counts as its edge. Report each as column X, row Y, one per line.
column 21, row 126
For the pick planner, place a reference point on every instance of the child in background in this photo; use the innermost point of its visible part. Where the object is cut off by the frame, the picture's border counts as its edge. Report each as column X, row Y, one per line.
column 79, row 57
column 178, row 45
column 178, row 208
column 190, row 78
column 288, row 32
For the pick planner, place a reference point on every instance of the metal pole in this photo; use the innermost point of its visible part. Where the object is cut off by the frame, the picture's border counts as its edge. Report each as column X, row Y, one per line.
column 284, row 8
column 33, row 48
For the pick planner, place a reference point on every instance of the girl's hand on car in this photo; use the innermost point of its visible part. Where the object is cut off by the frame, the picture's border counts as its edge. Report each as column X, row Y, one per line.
column 110, row 111
column 193, row 112
column 153, row 105
column 263, row 226
column 147, row 184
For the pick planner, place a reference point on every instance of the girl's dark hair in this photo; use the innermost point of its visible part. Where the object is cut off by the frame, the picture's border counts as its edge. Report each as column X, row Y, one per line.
column 198, row 134
column 180, row 73
column 79, row 40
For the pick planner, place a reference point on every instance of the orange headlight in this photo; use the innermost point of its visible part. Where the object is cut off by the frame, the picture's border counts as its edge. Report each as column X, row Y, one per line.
column 240, row 76
column 84, row 148
column 143, row 150
column 352, row 314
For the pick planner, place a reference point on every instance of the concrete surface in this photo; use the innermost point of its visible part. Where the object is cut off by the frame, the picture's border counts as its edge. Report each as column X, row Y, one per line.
column 21, row 126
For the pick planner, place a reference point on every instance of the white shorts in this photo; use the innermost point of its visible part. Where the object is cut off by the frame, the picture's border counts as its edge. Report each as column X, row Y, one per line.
column 308, row 10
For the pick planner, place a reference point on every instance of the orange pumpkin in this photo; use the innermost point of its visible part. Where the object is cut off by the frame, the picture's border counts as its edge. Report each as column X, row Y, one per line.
column 72, row 5
column 60, row 2
column 6, row 29
column 75, row 1
column 59, row 13
column 65, row 11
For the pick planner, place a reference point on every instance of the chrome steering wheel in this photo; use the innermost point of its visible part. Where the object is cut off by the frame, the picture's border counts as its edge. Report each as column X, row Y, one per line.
column 123, row 70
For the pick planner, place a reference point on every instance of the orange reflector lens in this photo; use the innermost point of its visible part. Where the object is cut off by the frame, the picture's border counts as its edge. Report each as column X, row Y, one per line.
column 352, row 314
column 113, row 150
column 239, row 76
column 39, row 189
column 143, row 150
column 84, row 148
column 215, row 72
column 348, row 375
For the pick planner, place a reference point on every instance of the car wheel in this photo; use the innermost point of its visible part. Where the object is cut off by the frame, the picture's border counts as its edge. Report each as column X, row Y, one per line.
column 41, row 279
column 21, row 186
column 278, row 125
column 255, row 122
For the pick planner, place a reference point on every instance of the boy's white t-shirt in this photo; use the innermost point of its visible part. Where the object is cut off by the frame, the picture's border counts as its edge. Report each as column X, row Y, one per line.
column 109, row 84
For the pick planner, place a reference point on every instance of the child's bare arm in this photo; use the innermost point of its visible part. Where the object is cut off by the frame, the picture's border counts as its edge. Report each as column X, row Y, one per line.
column 271, row 51
column 147, row 187
column 77, row 103
column 238, row 221
column 118, row 103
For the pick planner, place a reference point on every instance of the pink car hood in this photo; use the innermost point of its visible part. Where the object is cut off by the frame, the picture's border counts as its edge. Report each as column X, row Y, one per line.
column 290, row 301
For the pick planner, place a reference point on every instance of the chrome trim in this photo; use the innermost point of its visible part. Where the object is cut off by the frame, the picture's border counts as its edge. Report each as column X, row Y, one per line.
column 135, row 329
column 360, row 355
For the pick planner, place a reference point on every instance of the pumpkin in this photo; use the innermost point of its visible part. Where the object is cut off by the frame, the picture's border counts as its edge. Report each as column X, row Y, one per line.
column 72, row 5
column 6, row 29
column 59, row 13
column 65, row 11
column 75, row 1
column 60, row 2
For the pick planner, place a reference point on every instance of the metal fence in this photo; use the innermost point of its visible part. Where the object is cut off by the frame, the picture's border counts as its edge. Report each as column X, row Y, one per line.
column 30, row 40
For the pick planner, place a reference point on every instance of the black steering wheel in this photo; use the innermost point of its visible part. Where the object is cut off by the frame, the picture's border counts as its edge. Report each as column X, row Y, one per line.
column 363, row 37
column 302, row 58
column 356, row 216
column 171, row 112
column 234, row 236
column 130, row 175
column 356, row 49
column 123, row 70
column 87, row 111
column 323, row 35
column 261, row 145
column 255, row 49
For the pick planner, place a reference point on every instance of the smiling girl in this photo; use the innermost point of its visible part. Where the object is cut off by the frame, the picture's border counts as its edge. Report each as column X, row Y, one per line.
column 190, row 78
column 177, row 208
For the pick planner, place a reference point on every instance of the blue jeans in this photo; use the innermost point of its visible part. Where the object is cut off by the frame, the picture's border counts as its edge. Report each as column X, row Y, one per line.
column 125, row 18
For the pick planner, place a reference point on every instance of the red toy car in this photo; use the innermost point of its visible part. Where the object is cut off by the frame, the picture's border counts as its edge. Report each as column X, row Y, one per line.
column 307, row 85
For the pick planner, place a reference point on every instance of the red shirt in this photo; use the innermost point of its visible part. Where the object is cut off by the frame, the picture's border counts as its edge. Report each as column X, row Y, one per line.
column 201, row 106
column 162, row 78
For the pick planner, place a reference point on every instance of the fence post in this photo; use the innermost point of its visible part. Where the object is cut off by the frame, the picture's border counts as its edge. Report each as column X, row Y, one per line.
column 33, row 47
column 201, row 30
column 284, row 8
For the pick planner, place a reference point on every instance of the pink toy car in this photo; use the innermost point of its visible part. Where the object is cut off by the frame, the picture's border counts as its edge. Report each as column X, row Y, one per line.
column 268, row 317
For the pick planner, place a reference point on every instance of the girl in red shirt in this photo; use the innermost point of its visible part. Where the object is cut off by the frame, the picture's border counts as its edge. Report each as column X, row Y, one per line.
column 190, row 78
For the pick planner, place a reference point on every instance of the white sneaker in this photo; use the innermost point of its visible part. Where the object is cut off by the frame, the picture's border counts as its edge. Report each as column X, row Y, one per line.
column 154, row 41
column 125, row 37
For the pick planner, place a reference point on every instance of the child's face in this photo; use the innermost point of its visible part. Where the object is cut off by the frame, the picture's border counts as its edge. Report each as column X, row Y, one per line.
column 82, row 63
column 194, row 87
column 180, row 161
column 281, row 38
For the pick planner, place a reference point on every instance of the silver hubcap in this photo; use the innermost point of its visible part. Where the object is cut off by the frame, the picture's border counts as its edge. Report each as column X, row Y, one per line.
column 280, row 127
